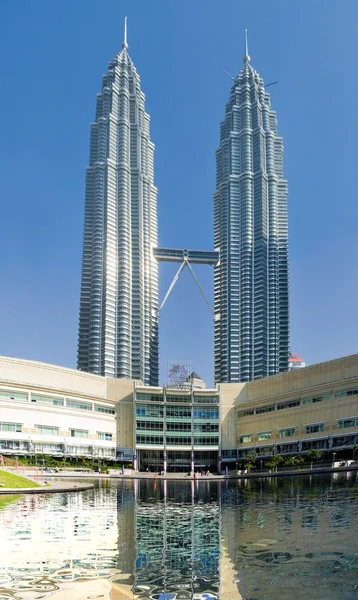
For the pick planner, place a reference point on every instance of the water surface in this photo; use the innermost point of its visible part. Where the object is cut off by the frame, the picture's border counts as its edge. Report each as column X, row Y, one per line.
column 283, row 539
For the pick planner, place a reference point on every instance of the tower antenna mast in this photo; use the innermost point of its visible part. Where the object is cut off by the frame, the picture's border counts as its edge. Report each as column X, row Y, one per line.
column 125, row 44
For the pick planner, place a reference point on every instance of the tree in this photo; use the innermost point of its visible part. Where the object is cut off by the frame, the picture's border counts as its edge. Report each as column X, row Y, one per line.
column 294, row 460
column 250, row 462
column 314, row 455
column 275, row 461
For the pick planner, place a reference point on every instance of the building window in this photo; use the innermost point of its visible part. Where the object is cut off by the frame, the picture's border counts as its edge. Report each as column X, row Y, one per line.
column 178, row 440
column 12, row 395
column 205, row 441
column 149, row 440
column 288, row 432
column 78, row 405
column 245, row 439
column 13, row 445
column 47, row 400
column 245, row 413
column 146, row 425
column 264, row 435
column 343, row 441
column 345, row 393
column 80, row 450
column 316, row 399
column 205, row 427
column 177, row 412
column 15, row 427
column 104, row 409
column 79, row 433
column 265, row 409
column 48, row 448
column 180, row 426
column 315, row 428
column 206, row 414
column 351, row 422
column 290, row 404
column 46, row 430
column 206, row 399
column 149, row 397
column 104, row 436
column 181, row 399
column 150, row 412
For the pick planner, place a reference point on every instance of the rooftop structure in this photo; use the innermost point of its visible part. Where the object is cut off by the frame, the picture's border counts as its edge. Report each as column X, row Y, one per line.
column 295, row 361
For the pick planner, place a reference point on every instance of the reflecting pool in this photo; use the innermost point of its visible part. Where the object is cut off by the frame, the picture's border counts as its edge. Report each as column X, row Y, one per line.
column 283, row 539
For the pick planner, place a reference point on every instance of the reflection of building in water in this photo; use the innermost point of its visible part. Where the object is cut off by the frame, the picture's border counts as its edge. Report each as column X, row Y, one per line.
column 79, row 528
column 281, row 531
column 125, row 518
column 82, row 534
column 178, row 540
column 229, row 584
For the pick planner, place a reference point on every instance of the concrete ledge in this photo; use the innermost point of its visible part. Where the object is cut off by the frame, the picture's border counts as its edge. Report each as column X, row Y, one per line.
column 292, row 473
column 63, row 486
column 211, row 477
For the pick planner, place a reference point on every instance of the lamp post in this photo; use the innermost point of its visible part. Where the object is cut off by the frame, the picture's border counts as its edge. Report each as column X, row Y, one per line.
column 334, row 456
column 261, row 464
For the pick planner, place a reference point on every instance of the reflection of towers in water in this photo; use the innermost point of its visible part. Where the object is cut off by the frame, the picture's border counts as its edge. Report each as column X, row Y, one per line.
column 126, row 547
column 177, row 538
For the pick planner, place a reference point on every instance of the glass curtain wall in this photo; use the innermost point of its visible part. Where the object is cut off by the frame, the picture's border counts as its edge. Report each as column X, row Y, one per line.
column 176, row 431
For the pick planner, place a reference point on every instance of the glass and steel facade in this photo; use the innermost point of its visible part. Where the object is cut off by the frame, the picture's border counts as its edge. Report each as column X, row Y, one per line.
column 251, row 233
column 118, row 329
column 176, row 429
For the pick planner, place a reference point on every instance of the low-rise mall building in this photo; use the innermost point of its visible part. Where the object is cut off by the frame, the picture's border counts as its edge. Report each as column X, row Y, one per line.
column 49, row 410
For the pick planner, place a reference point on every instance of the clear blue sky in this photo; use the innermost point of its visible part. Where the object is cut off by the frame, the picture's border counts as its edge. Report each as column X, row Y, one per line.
column 53, row 54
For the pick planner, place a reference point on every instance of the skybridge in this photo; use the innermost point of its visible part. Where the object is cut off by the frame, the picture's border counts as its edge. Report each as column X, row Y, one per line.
column 186, row 258
column 202, row 257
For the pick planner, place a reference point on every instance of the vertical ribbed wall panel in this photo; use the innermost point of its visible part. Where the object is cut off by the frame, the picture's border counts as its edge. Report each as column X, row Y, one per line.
column 251, row 232
column 118, row 332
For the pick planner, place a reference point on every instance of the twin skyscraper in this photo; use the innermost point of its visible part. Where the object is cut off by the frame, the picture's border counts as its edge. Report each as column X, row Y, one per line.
column 118, row 326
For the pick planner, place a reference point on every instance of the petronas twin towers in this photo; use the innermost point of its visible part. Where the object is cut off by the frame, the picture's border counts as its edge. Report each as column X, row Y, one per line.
column 251, row 232
column 118, row 330
column 118, row 325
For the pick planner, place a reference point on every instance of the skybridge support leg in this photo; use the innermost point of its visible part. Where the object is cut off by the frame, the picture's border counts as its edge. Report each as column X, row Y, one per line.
column 199, row 286
column 184, row 264
column 176, row 277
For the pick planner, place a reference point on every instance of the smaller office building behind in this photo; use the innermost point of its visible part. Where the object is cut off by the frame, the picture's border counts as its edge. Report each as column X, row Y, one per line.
column 64, row 413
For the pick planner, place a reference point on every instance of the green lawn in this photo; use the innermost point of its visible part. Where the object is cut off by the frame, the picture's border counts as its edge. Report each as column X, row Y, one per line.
column 14, row 481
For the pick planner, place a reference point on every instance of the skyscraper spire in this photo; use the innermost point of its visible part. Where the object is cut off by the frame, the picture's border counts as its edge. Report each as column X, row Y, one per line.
column 124, row 44
column 246, row 57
